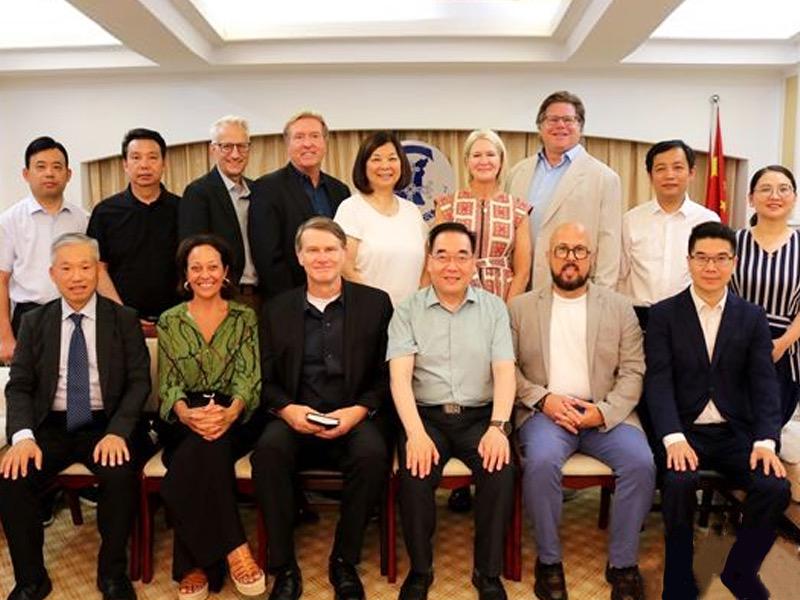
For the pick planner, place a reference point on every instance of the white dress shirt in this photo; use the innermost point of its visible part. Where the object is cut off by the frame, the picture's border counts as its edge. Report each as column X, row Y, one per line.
column 654, row 248
column 710, row 318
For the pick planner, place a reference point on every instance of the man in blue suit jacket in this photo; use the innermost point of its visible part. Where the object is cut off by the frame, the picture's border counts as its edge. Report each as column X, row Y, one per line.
column 712, row 392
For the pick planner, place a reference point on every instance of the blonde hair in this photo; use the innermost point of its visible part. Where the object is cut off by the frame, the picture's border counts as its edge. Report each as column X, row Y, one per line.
column 225, row 121
column 492, row 137
column 304, row 114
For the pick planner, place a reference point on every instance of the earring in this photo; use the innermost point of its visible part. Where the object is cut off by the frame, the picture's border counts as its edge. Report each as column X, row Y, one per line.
column 186, row 286
column 226, row 282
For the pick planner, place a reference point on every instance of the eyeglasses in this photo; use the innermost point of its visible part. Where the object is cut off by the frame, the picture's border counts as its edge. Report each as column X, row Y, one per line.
column 719, row 260
column 553, row 120
column 782, row 191
column 446, row 259
column 563, row 251
column 227, row 148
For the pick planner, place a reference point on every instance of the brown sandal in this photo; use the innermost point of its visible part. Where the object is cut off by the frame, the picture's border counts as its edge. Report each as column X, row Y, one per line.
column 246, row 575
column 193, row 586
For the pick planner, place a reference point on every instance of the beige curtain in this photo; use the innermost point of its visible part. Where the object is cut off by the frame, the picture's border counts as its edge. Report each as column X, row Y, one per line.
column 187, row 162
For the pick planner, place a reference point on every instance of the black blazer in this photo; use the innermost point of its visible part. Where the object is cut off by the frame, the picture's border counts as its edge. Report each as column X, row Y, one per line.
column 740, row 378
column 367, row 312
column 122, row 361
column 206, row 207
column 278, row 208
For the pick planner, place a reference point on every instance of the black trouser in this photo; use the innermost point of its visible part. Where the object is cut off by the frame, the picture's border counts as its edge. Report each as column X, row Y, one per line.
column 20, row 309
column 19, row 504
column 456, row 435
column 719, row 449
column 789, row 389
column 362, row 455
column 199, row 491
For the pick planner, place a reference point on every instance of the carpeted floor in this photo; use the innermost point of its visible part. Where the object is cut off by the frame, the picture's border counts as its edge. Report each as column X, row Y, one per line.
column 71, row 551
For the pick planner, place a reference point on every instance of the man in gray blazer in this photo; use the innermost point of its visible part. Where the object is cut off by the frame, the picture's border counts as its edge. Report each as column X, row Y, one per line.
column 579, row 377
column 565, row 183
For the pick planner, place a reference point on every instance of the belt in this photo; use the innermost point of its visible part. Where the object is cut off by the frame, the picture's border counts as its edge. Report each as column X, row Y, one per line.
column 248, row 289
column 451, row 408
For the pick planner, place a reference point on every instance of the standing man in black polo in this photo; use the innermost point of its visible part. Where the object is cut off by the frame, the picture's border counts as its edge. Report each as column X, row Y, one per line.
column 219, row 201
column 137, row 230
column 288, row 197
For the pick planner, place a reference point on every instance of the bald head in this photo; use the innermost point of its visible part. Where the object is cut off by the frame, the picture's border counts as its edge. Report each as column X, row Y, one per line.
column 570, row 258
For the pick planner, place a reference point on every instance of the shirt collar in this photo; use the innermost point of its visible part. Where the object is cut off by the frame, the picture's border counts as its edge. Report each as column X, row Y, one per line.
column 431, row 299
column 303, row 177
column 89, row 310
column 132, row 197
column 701, row 305
column 685, row 209
column 567, row 158
column 232, row 186
column 33, row 206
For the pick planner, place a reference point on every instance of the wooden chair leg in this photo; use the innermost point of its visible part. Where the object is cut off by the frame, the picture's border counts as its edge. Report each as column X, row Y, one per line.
column 135, row 552
column 261, row 550
column 146, row 542
column 391, row 529
column 512, row 564
column 605, row 507
column 383, row 537
column 74, row 506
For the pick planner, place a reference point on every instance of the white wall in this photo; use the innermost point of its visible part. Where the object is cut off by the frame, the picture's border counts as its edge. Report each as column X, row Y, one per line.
column 90, row 113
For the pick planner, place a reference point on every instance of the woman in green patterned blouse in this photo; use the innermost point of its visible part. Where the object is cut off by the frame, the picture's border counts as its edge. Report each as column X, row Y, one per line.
column 210, row 381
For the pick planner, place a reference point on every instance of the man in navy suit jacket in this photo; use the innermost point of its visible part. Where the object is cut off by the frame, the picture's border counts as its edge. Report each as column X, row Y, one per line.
column 712, row 392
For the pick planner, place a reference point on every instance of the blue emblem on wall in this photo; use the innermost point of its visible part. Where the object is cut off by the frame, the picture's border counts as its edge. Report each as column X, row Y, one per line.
column 431, row 176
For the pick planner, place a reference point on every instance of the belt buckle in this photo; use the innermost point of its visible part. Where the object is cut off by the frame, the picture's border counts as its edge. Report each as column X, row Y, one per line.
column 451, row 408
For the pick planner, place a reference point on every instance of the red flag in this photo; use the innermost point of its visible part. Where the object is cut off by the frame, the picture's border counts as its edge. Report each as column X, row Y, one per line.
column 716, row 191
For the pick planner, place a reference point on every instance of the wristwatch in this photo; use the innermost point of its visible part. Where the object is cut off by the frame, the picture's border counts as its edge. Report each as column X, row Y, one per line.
column 504, row 426
column 540, row 404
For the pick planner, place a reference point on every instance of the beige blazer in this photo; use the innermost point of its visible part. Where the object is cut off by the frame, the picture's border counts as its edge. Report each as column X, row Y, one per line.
column 590, row 193
column 613, row 343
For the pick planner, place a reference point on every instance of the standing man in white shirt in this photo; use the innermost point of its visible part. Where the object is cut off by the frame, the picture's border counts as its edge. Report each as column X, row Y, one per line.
column 27, row 229
column 654, row 234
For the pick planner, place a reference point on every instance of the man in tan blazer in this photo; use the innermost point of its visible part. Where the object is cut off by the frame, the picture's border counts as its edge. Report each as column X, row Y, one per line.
column 565, row 183
column 580, row 365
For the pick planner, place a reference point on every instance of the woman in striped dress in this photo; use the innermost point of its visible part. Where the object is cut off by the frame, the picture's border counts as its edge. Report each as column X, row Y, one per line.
column 768, row 272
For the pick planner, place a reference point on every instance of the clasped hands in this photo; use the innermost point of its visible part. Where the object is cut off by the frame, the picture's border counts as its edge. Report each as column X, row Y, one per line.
column 682, row 457
column 211, row 420
column 110, row 451
column 349, row 417
column 573, row 414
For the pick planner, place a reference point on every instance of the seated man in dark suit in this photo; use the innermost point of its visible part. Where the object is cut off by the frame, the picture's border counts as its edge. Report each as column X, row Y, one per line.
column 78, row 381
column 327, row 386
column 712, row 392
column 286, row 198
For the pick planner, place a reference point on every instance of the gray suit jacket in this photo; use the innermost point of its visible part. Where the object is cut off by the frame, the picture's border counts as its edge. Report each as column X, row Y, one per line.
column 614, row 346
column 590, row 193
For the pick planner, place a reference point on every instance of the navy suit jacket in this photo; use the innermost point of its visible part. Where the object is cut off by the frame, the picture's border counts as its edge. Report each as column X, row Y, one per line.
column 740, row 377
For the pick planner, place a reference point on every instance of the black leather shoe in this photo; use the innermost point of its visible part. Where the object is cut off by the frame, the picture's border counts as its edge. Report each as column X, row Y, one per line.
column 550, row 583
column 745, row 588
column 288, row 585
column 416, row 586
column 460, row 500
column 345, row 581
column 489, row 588
column 626, row 583
column 116, row 588
column 32, row 591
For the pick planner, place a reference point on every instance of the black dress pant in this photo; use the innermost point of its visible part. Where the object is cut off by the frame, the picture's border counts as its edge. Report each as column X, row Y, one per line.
column 361, row 454
column 719, row 449
column 19, row 499
column 199, row 491
column 456, row 435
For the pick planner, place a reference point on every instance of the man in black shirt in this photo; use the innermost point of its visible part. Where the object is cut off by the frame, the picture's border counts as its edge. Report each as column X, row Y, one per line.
column 137, row 230
column 322, row 350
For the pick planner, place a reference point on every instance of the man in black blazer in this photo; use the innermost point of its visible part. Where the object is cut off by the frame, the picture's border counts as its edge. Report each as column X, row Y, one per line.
column 712, row 393
column 78, row 381
column 219, row 202
column 286, row 198
column 322, row 348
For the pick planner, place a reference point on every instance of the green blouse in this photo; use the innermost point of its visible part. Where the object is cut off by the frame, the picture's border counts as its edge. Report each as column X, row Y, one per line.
column 229, row 364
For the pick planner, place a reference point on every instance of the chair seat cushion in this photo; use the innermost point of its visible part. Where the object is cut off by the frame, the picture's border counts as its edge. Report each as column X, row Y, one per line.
column 581, row 465
column 76, row 469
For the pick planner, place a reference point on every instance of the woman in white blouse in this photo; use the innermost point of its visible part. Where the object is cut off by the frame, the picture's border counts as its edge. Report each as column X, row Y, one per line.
column 385, row 233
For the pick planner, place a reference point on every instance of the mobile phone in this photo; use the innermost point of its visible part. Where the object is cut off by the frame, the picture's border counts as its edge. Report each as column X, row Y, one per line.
column 323, row 420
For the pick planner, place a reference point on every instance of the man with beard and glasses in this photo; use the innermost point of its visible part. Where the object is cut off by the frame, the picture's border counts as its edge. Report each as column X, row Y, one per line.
column 580, row 366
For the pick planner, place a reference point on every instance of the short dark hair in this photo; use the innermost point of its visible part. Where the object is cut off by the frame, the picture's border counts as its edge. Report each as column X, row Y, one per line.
column 140, row 133
column 661, row 147
column 41, row 144
column 760, row 173
column 368, row 146
column 565, row 97
column 712, row 230
column 182, row 260
column 454, row 227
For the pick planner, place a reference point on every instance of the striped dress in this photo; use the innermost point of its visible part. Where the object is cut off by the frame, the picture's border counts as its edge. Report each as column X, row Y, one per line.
column 773, row 282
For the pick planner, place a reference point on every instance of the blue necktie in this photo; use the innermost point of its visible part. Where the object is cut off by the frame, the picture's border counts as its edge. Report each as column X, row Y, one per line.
column 79, row 408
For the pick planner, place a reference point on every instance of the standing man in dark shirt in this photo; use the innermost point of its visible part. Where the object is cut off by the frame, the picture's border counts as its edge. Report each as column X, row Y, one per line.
column 137, row 230
column 219, row 201
column 322, row 348
column 289, row 196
